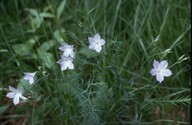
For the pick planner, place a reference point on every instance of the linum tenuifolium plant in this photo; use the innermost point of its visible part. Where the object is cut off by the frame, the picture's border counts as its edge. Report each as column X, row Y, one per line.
column 159, row 69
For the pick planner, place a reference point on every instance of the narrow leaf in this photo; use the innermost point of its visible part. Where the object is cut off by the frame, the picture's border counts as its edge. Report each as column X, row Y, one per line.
column 47, row 58
column 58, row 35
column 47, row 45
column 33, row 12
column 46, row 15
column 60, row 8
column 3, row 108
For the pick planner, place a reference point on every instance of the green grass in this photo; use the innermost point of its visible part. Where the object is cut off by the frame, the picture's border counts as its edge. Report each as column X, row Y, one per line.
column 113, row 87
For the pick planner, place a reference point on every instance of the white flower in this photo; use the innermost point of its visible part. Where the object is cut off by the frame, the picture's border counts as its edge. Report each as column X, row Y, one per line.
column 66, row 62
column 160, row 70
column 96, row 42
column 67, row 50
column 16, row 94
column 29, row 77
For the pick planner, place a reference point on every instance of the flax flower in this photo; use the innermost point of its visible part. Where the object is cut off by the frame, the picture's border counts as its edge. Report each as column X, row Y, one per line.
column 66, row 62
column 96, row 42
column 29, row 77
column 67, row 50
column 15, row 94
column 160, row 70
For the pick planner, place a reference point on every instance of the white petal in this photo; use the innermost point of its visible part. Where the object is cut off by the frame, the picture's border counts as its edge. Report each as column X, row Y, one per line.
column 159, row 78
column 166, row 72
column 97, row 36
column 64, row 58
column 155, row 64
column 72, row 54
column 16, row 99
column 60, row 61
column 66, row 53
column 12, row 89
column 27, row 74
column 153, row 71
column 91, row 40
column 70, row 59
column 33, row 74
column 71, row 47
column 92, row 46
column 10, row 95
column 102, row 42
column 163, row 64
column 27, row 78
column 31, row 81
column 98, row 48
column 62, row 48
column 23, row 97
column 70, row 65
column 63, row 67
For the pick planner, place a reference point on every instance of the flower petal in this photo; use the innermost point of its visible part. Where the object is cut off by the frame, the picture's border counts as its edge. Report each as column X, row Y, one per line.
column 60, row 61
column 92, row 46
column 32, row 74
column 27, row 78
column 12, row 89
column 63, row 46
column 91, row 40
column 63, row 67
column 153, row 71
column 71, row 66
column 97, row 36
column 98, row 48
column 16, row 99
column 102, row 42
column 72, row 54
column 166, row 72
column 155, row 64
column 10, row 95
column 163, row 64
column 23, row 97
column 159, row 78
column 31, row 81
column 63, row 57
column 66, row 53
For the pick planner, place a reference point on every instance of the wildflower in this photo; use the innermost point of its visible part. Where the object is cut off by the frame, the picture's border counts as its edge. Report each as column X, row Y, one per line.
column 67, row 50
column 29, row 77
column 16, row 94
column 96, row 42
column 66, row 62
column 160, row 70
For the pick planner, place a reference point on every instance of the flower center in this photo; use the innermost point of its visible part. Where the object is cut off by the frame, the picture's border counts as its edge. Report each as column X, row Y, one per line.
column 97, row 43
column 158, row 71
